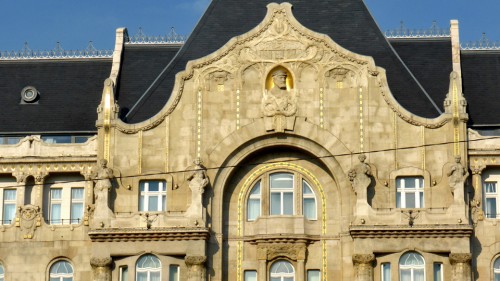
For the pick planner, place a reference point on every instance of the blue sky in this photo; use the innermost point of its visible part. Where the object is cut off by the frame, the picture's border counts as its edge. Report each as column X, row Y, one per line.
column 44, row 22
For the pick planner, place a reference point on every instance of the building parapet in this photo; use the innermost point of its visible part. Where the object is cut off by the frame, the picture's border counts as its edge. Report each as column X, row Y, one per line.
column 404, row 33
column 26, row 53
column 141, row 38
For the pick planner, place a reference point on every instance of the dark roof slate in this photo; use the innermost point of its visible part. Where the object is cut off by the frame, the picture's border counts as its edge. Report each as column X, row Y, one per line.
column 430, row 60
column 481, row 86
column 347, row 22
column 70, row 91
column 141, row 64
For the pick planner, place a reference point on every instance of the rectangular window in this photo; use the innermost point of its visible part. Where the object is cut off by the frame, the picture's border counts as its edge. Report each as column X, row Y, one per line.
column 313, row 275
column 250, row 275
column 10, row 139
column 173, row 273
column 409, row 192
column 438, row 271
column 281, row 194
column 153, row 196
column 385, row 272
column 123, row 273
column 9, row 206
column 490, row 195
column 76, row 205
column 55, row 206
column 253, row 207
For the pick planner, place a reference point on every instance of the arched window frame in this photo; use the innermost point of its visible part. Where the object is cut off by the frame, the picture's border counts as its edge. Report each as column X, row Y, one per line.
column 411, row 268
column 56, row 275
column 275, row 275
column 148, row 270
column 264, row 182
column 496, row 268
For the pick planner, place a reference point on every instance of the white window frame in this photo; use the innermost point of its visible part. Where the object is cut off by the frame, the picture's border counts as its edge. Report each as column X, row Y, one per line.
column 148, row 270
column 247, row 272
column 281, row 191
column 61, row 276
column 282, row 275
column 384, row 266
column 311, row 195
column 496, row 268
column 313, row 270
column 404, row 191
column 435, row 266
column 177, row 268
column 255, row 197
column 491, row 177
column 75, row 201
column 5, row 203
column 123, row 273
column 66, row 184
column 411, row 268
column 145, row 194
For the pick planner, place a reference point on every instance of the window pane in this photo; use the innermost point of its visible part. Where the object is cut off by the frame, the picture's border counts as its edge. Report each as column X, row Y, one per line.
column 173, row 273
column 313, row 275
column 398, row 200
column 77, row 193
column 410, row 200
column 490, row 187
column 406, row 275
column 275, row 203
column 253, row 209
column 76, row 212
column 282, row 180
column 55, row 213
column 124, row 273
column 410, row 182
column 497, row 276
column 421, row 200
column 142, row 203
column 9, row 212
column 153, row 203
column 56, row 193
column 309, row 208
column 438, row 272
column 491, row 207
column 386, row 272
column 9, row 194
column 288, row 203
column 250, row 275
column 142, row 276
column 153, row 186
column 418, row 275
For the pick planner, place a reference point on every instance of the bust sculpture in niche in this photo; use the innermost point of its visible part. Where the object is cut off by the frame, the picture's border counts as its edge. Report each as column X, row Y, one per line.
column 279, row 103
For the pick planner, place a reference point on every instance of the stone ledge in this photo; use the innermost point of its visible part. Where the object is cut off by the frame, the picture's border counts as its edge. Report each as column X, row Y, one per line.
column 403, row 231
column 141, row 234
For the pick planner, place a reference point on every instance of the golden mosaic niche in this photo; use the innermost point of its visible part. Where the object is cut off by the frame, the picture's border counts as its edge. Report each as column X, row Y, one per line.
column 289, row 78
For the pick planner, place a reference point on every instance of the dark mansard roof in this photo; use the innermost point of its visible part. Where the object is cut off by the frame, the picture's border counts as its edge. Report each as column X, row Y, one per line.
column 347, row 22
column 481, row 86
column 70, row 91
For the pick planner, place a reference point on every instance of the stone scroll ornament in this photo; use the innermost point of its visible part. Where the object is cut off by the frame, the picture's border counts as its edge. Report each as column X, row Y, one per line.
column 198, row 180
column 279, row 104
column 29, row 220
column 102, row 176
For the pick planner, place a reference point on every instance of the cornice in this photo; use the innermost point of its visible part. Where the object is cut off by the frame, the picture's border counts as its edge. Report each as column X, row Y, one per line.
column 404, row 231
column 141, row 234
column 290, row 238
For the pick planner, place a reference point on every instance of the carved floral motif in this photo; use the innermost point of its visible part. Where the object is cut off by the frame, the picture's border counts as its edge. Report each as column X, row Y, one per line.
column 29, row 220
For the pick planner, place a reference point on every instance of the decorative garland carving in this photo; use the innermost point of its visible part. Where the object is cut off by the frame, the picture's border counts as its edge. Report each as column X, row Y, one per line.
column 100, row 262
column 195, row 260
column 460, row 258
column 367, row 259
column 29, row 220
column 290, row 251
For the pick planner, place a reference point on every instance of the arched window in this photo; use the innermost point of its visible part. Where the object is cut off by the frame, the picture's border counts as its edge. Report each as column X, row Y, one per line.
column 280, row 190
column 411, row 267
column 2, row 273
column 61, row 271
column 282, row 271
column 148, row 268
column 496, row 270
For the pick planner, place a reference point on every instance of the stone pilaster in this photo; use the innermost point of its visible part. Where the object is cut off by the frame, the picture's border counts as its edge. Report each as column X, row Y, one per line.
column 460, row 266
column 101, row 268
column 196, row 268
column 363, row 266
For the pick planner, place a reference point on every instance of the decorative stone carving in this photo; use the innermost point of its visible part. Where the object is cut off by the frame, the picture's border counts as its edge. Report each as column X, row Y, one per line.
column 196, row 267
column 198, row 180
column 339, row 77
column 29, row 220
column 460, row 266
column 476, row 211
column 20, row 177
column 101, row 268
column 102, row 176
column 218, row 78
column 290, row 251
column 363, row 266
column 279, row 104
column 457, row 174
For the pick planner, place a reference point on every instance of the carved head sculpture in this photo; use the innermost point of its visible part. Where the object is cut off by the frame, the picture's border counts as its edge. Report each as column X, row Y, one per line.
column 279, row 78
column 362, row 157
column 103, row 163
column 457, row 159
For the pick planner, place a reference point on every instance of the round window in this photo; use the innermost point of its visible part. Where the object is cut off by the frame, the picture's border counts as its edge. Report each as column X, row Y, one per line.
column 29, row 94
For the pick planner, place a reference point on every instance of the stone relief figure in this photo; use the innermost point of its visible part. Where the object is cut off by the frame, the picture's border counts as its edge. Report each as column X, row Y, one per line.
column 456, row 174
column 198, row 180
column 102, row 176
column 29, row 220
column 360, row 176
column 279, row 103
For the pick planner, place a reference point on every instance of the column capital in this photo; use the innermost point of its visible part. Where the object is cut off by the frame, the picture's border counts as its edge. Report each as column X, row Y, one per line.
column 100, row 262
column 195, row 260
column 460, row 258
column 358, row 259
